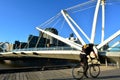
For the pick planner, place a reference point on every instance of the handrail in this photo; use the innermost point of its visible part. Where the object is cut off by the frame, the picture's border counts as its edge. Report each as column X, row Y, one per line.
column 45, row 48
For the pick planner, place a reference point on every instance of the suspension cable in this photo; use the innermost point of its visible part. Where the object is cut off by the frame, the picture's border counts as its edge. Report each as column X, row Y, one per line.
column 39, row 37
column 56, row 22
column 80, row 5
column 83, row 9
column 50, row 20
column 27, row 45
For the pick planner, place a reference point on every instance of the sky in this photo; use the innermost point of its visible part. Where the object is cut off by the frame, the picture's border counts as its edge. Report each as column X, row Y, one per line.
column 18, row 18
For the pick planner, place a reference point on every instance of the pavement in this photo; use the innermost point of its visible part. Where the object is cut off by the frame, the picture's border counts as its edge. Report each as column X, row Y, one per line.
column 107, row 73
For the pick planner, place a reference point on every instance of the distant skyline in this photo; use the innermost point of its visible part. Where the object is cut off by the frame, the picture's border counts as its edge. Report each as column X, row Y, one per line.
column 18, row 18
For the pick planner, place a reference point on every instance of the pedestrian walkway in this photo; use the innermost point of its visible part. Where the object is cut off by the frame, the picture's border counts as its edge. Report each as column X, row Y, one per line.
column 62, row 74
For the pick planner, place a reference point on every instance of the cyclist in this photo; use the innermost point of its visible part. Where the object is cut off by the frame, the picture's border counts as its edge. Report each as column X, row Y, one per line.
column 87, row 49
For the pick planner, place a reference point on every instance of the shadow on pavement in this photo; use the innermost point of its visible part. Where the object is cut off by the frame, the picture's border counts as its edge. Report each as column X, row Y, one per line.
column 109, row 77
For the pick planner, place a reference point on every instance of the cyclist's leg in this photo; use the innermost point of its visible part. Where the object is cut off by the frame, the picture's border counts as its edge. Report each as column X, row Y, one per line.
column 85, row 67
column 85, row 70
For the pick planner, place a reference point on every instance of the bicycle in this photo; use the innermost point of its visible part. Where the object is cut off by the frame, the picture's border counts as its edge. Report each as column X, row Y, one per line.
column 93, row 67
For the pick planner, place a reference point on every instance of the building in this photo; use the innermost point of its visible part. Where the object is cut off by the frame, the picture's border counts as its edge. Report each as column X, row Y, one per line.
column 5, row 46
column 43, row 40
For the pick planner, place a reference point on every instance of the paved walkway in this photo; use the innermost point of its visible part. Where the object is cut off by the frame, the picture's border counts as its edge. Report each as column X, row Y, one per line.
column 107, row 73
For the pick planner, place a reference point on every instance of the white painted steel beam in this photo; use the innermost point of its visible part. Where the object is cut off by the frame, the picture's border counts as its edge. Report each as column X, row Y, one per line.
column 95, row 21
column 72, row 44
column 78, row 27
column 115, row 44
column 103, row 20
column 65, row 15
column 109, row 39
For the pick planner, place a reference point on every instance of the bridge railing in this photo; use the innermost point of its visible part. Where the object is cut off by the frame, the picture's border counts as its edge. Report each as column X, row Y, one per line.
column 43, row 49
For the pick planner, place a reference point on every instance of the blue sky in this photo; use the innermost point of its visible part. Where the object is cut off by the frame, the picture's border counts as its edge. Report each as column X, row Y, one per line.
column 18, row 18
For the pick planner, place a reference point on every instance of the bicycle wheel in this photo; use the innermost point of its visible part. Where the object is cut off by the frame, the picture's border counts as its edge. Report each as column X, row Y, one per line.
column 77, row 72
column 94, row 70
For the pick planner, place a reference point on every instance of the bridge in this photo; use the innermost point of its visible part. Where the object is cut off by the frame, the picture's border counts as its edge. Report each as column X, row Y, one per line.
column 58, row 53
column 75, row 49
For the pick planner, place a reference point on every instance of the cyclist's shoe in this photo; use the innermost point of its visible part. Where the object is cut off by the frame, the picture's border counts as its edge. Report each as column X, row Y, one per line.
column 86, row 76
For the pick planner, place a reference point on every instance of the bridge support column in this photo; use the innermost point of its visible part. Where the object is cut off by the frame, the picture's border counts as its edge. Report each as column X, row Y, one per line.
column 118, row 63
column 106, row 62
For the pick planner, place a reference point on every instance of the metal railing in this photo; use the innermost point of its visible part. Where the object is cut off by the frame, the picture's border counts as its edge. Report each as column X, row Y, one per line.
column 45, row 48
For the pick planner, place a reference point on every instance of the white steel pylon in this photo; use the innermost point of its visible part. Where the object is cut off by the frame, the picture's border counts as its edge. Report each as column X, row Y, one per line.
column 69, row 20
column 103, row 19
column 109, row 39
column 72, row 27
column 72, row 44
column 95, row 21
column 115, row 44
